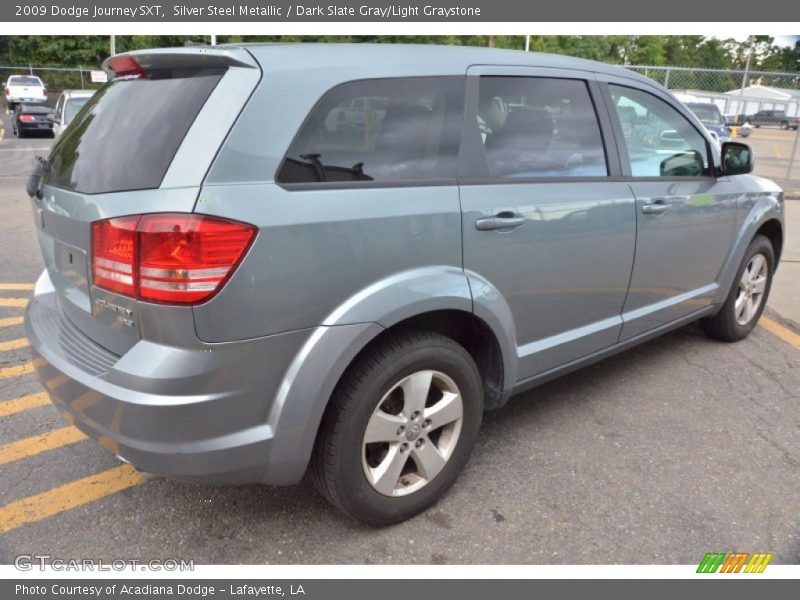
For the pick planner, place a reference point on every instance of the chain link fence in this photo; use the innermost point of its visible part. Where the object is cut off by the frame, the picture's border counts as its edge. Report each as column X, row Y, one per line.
column 761, row 106
column 767, row 101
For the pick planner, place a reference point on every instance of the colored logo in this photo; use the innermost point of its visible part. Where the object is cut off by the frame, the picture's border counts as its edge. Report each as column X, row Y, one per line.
column 734, row 562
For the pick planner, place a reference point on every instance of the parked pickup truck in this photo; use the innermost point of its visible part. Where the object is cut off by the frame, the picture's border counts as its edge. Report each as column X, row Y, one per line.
column 24, row 88
column 773, row 118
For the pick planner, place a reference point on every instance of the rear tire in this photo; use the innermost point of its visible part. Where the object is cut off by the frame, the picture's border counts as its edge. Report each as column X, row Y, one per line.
column 420, row 395
column 748, row 295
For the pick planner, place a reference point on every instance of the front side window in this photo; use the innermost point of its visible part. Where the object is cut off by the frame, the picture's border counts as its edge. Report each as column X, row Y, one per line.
column 383, row 130
column 660, row 141
column 539, row 127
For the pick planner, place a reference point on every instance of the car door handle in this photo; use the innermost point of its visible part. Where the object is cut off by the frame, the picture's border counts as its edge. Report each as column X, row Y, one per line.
column 503, row 220
column 657, row 207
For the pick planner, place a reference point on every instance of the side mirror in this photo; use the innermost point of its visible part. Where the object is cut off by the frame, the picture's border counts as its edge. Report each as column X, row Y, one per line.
column 683, row 164
column 737, row 158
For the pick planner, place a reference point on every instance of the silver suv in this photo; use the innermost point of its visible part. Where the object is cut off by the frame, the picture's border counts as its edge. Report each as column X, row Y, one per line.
column 335, row 258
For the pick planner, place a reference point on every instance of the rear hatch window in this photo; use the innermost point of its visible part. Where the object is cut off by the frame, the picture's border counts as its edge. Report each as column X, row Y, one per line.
column 24, row 81
column 128, row 132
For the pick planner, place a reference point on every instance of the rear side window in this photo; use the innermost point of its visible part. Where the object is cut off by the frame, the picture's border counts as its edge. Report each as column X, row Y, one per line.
column 21, row 80
column 129, row 133
column 539, row 127
column 383, row 130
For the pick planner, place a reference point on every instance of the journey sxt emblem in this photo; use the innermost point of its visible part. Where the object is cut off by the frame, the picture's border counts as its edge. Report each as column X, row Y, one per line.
column 121, row 311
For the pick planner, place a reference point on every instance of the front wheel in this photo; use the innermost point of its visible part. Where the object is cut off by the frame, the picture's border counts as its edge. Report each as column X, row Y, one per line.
column 401, row 426
column 748, row 296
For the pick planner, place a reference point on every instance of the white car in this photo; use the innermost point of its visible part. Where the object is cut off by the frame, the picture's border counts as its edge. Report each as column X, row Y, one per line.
column 24, row 88
column 67, row 106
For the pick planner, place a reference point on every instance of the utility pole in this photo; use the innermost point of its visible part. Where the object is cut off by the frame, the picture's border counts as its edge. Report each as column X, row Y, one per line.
column 113, row 45
column 492, row 41
column 213, row 40
column 527, row 43
column 741, row 110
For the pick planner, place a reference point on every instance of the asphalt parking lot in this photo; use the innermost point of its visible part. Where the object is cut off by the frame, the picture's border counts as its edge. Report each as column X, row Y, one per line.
column 681, row 447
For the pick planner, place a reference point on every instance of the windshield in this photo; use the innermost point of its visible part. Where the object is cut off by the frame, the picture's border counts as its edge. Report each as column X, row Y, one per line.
column 128, row 133
column 707, row 113
column 72, row 108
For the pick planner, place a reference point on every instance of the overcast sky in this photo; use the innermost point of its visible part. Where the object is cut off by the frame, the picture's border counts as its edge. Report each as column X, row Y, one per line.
column 780, row 40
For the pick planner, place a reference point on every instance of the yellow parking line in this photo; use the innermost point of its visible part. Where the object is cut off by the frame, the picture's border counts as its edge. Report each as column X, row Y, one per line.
column 16, row 370
column 39, row 443
column 10, row 321
column 16, row 405
column 66, row 497
column 14, row 302
column 775, row 328
column 14, row 344
column 16, row 286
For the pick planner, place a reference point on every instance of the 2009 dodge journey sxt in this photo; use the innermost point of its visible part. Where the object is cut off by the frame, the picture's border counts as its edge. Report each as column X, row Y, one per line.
column 268, row 259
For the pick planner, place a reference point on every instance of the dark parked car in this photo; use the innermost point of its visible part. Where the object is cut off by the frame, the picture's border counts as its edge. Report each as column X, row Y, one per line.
column 773, row 118
column 711, row 117
column 335, row 258
column 32, row 118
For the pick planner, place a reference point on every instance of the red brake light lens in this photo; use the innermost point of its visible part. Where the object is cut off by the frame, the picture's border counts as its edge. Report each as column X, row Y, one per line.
column 27, row 118
column 7, row 91
column 171, row 258
column 114, row 254
column 124, row 65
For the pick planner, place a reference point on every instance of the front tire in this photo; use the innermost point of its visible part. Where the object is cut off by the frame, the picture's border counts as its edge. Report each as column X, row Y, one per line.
column 401, row 425
column 748, row 295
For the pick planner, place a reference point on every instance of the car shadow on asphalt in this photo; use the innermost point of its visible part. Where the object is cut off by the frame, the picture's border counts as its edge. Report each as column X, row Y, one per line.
column 302, row 505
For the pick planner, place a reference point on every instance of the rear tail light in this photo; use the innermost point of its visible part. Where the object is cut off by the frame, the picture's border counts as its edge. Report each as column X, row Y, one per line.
column 44, row 92
column 7, row 91
column 27, row 118
column 167, row 258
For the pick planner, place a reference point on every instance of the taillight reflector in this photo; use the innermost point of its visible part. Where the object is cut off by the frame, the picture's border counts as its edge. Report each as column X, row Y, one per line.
column 27, row 118
column 167, row 258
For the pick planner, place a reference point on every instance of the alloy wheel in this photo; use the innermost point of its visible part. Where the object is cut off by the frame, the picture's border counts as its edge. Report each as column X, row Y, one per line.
column 752, row 285
column 412, row 433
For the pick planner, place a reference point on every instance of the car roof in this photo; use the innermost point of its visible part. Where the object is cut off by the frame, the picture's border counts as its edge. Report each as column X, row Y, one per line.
column 35, row 108
column 451, row 59
column 10, row 77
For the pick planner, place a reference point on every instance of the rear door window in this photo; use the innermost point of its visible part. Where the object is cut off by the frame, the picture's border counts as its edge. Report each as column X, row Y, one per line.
column 381, row 130
column 539, row 127
column 129, row 132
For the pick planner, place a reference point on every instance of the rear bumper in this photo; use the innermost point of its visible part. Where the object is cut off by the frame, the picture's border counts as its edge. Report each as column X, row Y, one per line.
column 20, row 100
column 199, row 414
column 35, row 127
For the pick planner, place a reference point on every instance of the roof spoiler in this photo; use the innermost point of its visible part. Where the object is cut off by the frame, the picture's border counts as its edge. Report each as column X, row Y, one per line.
column 138, row 63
